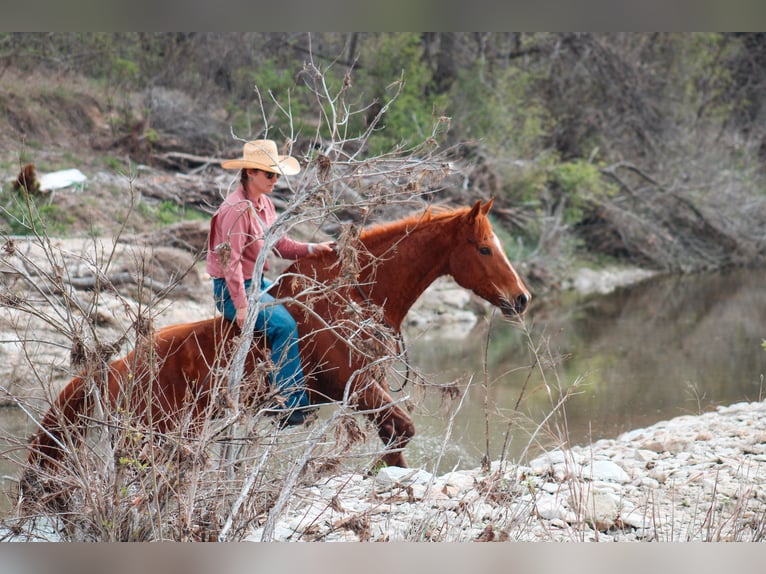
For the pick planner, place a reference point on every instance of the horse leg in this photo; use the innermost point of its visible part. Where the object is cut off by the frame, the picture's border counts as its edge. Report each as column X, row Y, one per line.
column 395, row 429
column 395, row 426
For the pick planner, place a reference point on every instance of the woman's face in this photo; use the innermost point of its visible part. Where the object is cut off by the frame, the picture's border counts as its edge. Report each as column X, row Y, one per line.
column 260, row 182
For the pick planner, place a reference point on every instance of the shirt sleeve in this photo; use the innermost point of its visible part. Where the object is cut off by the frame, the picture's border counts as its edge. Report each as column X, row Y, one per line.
column 288, row 248
column 238, row 236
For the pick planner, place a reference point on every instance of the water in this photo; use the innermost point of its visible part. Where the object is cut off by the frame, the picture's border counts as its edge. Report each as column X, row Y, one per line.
column 666, row 347
column 15, row 427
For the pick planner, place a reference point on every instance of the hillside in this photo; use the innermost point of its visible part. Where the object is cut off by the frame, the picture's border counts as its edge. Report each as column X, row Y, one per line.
column 645, row 149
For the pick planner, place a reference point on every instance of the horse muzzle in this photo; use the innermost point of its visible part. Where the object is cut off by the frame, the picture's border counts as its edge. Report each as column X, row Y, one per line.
column 516, row 306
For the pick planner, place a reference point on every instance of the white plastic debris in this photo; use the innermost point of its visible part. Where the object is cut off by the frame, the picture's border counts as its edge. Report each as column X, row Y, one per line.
column 62, row 179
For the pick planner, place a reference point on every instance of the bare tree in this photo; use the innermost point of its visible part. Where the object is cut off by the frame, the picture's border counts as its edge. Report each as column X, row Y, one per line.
column 129, row 482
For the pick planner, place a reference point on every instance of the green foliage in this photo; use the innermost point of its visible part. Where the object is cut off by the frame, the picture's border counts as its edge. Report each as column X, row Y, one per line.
column 377, row 467
column 95, row 231
column 579, row 182
column 167, row 212
column 133, row 462
column 526, row 101
column 25, row 214
column 396, row 77
column 152, row 136
column 124, row 73
column 763, row 344
column 702, row 77
column 542, row 186
column 269, row 89
column 113, row 163
column 582, row 183
column 503, row 110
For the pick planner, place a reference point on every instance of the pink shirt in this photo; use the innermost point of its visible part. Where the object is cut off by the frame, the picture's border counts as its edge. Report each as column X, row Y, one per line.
column 235, row 226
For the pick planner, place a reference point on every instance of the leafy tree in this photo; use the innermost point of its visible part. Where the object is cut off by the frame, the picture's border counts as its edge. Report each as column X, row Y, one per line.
column 396, row 77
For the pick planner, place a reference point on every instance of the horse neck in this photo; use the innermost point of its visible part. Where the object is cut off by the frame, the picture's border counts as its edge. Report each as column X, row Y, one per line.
column 404, row 264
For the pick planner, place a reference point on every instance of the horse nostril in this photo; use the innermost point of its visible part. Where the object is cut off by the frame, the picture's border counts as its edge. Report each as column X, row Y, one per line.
column 521, row 302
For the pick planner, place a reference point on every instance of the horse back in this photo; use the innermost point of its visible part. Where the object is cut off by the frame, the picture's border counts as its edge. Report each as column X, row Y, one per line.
column 181, row 364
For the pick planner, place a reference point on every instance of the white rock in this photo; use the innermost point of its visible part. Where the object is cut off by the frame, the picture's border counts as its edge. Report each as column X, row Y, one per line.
column 644, row 455
column 550, row 507
column 391, row 476
column 419, row 491
column 483, row 512
column 607, row 280
column 455, row 297
column 551, row 487
column 281, row 533
column 648, row 482
column 393, row 530
column 343, row 535
column 450, row 491
column 598, row 508
column 627, row 492
column 567, row 471
column 545, row 462
column 633, row 435
column 605, row 470
column 607, row 486
column 460, row 480
column 658, row 474
column 635, row 518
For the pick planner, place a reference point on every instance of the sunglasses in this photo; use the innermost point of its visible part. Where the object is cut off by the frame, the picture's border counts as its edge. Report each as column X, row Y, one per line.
column 269, row 174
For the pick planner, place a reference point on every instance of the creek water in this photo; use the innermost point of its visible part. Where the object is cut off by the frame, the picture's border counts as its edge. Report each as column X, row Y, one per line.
column 665, row 347
column 668, row 346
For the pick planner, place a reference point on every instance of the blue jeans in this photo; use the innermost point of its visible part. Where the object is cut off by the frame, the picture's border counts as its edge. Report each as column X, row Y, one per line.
column 281, row 333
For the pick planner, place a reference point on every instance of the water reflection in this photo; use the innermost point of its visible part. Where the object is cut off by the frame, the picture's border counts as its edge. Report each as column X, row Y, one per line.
column 668, row 346
column 15, row 427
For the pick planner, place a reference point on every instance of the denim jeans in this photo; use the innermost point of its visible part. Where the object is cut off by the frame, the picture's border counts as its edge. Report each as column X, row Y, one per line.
column 281, row 332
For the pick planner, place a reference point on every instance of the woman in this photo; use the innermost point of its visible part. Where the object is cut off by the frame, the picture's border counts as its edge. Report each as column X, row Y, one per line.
column 236, row 238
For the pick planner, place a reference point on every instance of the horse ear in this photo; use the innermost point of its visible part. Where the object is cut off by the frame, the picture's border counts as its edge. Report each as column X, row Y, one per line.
column 474, row 213
column 479, row 208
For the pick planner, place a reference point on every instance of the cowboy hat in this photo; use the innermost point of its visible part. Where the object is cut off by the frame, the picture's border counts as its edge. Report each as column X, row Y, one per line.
column 263, row 155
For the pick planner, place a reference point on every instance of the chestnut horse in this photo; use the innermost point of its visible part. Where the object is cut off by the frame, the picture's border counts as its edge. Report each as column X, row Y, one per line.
column 341, row 304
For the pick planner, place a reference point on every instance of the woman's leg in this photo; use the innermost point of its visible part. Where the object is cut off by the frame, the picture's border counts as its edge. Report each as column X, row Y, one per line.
column 223, row 300
column 282, row 335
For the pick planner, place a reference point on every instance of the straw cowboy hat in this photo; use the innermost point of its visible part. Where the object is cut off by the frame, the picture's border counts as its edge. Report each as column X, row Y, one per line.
column 263, row 155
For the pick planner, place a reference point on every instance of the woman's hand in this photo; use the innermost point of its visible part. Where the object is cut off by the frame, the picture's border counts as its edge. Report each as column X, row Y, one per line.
column 324, row 247
column 241, row 314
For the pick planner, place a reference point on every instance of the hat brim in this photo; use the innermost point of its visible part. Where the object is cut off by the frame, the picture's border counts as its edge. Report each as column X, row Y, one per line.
column 286, row 165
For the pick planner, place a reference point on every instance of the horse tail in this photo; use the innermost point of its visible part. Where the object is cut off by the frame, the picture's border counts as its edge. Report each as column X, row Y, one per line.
column 60, row 432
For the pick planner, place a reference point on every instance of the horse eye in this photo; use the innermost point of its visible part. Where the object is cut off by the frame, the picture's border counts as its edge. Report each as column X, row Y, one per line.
column 484, row 250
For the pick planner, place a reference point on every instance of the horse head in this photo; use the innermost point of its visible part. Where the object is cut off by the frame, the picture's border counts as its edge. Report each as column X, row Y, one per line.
column 479, row 263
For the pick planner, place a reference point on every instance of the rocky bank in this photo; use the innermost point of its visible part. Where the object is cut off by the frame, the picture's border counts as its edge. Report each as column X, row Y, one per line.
column 692, row 478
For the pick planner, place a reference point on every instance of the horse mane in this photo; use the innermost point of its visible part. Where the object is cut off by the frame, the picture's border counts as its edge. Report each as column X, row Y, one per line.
column 433, row 213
